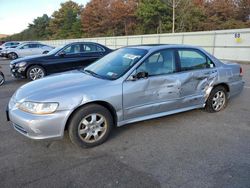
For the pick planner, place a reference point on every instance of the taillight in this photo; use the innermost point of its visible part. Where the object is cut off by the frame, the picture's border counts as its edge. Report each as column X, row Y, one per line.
column 241, row 71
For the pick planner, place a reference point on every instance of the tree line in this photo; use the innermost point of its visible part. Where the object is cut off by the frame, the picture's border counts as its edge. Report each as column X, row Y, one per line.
column 101, row 18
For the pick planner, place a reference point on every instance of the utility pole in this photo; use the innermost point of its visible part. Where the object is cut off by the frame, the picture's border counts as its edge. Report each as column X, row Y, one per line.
column 173, row 4
column 173, row 22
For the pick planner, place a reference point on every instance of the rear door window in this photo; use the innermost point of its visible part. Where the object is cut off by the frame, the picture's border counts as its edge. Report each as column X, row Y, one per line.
column 34, row 45
column 92, row 48
column 193, row 60
column 74, row 49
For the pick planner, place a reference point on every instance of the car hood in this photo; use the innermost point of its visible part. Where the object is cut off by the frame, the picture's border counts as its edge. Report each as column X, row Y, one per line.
column 56, row 86
column 30, row 58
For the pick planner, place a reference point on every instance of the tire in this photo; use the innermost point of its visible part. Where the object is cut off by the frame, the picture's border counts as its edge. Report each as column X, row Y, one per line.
column 12, row 55
column 45, row 52
column 35, row 72
column 2, row 79
column 83, row 128
column 217, row 100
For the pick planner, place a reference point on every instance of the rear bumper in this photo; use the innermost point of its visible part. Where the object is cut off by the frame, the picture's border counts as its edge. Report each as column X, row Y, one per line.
column 236, row 87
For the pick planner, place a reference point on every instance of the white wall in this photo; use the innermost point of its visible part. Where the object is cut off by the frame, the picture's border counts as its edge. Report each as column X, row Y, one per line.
column 222, row 43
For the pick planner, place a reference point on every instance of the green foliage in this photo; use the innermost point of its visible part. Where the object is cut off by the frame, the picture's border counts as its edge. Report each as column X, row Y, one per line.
column 189, row 17
column 154, row 16
column 39, row 27
column 65, row 22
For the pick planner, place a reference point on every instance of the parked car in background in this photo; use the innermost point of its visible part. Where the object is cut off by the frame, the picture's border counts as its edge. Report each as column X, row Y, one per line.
column 7, row 45
column 28, row 49
column 69, row 57
column 128, row 85
column 4, row 52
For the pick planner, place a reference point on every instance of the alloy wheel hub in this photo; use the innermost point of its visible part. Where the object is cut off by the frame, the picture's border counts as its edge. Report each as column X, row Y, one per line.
column 92, row 128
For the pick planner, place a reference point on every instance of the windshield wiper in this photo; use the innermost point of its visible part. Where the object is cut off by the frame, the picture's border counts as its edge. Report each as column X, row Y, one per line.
column 95, row 74
column 92, row 73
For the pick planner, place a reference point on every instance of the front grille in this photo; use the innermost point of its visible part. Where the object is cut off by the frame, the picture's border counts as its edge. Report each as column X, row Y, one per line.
column 20, row 129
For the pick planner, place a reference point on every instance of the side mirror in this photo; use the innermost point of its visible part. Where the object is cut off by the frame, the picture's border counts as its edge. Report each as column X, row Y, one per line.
column 141, row 75
column 137, row 76
column 62, row 53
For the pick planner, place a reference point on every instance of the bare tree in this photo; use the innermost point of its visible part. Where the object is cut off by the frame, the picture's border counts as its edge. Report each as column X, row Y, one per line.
column 183, row 12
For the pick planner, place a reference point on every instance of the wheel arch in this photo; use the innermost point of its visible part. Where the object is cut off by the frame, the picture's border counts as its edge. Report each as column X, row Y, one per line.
column 225, row 85
column 36, row 64
column 13, row 52
column 105, row 104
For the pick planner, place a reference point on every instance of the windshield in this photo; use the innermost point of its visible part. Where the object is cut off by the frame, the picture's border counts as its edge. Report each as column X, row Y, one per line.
column 116, row 64
column 20, row 46
column 55, row 50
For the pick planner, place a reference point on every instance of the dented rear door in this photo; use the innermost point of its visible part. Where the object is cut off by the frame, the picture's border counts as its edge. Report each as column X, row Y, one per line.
column 197, row 75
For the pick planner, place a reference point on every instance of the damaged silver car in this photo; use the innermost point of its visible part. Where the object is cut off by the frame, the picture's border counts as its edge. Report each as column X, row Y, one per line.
column 128, row 85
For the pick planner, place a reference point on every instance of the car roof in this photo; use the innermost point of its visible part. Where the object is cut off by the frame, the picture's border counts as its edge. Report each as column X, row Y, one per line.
column 86, row 42
column 11, row 42
column 83, row 42
column 29, row 43
column 155, row 47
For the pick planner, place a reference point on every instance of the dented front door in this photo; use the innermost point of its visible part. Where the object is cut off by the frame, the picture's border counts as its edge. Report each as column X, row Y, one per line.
column 157, row 93
column 149, row 96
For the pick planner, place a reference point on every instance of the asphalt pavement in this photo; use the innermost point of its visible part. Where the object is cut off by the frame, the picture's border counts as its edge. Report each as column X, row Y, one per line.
column 191, row 149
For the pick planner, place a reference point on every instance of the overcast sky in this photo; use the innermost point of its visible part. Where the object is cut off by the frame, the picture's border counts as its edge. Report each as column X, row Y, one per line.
column 15, row 15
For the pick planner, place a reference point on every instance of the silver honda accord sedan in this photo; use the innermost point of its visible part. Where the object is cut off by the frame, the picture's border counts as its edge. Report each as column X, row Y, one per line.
column 128, row 85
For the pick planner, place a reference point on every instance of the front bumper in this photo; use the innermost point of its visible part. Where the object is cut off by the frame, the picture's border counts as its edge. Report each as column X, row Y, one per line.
column 18, row 72
column 50, row 126
column 2, row 54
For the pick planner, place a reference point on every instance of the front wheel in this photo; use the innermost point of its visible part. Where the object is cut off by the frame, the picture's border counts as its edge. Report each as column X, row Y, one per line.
column 90, row 126
column 35, row 72
column 217, row 99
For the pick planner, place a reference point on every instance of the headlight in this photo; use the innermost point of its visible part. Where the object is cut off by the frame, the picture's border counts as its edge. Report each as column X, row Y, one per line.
column 21, row 64
column 38, row 108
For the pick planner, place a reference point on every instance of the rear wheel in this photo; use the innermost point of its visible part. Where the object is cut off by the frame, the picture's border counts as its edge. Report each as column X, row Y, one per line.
column 45, row 52
column 217, row 99
column 36, row 72
column 12, row 55
column 90, row 126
